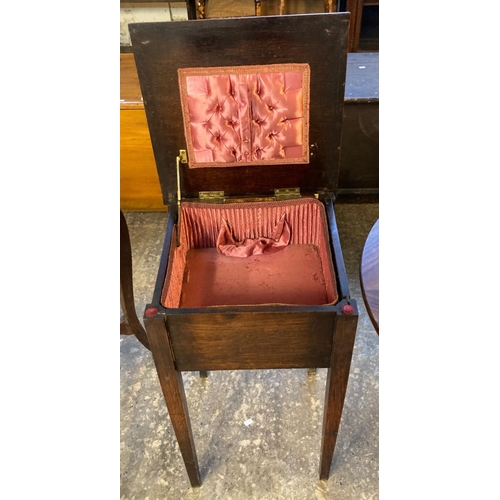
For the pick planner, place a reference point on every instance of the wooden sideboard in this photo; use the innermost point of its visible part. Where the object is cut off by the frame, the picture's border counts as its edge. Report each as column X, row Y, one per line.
column 139, row 185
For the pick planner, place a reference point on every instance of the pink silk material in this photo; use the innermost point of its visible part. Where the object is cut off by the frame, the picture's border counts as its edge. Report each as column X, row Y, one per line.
column 236, row 116
column 201, row 228
column 227, row 245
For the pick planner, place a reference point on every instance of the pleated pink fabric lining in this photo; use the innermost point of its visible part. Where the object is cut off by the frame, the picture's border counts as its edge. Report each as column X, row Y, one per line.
column 239, row 115
column 228, row 245
column 201, row 224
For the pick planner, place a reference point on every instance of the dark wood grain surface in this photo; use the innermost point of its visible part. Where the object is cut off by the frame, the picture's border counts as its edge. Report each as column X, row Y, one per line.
column 370, row 276
column 129, row 322
column 336, row 386
column 252, row 340
column 173, row 390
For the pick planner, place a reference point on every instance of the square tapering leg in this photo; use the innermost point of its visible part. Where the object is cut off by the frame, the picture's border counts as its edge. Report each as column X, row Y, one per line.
column 336, row 386
column 173, row 392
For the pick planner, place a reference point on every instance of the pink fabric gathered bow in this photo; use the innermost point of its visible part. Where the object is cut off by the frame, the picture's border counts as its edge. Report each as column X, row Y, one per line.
column 227, row 245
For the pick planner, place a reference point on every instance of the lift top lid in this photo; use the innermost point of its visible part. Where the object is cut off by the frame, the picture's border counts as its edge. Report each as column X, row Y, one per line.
column 314, row 43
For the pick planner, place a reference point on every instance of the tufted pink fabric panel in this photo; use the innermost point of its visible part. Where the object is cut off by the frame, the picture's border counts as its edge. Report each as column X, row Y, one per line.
column 236, row 116
column 201, row 223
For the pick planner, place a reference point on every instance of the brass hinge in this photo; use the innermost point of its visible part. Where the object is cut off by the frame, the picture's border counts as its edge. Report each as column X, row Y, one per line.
column 286, row 194
column 183, row 155
column 212, row 196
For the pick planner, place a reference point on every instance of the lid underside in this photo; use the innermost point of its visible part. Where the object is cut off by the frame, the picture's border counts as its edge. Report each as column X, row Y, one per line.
column 316, row 40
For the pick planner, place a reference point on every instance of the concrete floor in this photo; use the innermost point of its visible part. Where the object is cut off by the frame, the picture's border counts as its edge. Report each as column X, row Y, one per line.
column 277, row 455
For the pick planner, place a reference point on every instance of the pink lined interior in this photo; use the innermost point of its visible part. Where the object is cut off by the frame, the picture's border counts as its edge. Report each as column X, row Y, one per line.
column 236, row 116
column 300, row 274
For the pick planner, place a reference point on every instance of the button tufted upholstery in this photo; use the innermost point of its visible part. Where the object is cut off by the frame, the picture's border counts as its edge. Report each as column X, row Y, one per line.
column 237, row 116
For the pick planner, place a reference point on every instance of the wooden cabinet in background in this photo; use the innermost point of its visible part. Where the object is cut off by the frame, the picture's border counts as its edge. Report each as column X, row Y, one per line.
column 355, row 7
column 139, row 185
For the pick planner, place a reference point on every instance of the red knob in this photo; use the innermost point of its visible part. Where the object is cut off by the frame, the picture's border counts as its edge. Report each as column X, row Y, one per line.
column 347, row 309
column 151, row 311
